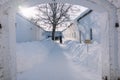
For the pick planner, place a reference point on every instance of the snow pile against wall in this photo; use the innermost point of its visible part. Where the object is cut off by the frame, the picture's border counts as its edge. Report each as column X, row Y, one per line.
column 46, row 60
column 26, row 31
column 87, row 55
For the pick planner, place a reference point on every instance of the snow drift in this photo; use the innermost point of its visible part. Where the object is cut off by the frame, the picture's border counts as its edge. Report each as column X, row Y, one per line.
column 47, row 60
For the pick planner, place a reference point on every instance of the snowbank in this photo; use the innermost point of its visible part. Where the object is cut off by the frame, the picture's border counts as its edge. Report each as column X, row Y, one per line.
column 86, row 59
column 47, row 60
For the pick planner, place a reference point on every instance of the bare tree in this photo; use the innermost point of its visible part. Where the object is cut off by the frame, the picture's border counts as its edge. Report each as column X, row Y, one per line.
column 52, row 15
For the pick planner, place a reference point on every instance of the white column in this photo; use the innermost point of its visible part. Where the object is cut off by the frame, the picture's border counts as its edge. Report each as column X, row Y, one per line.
column 105, row 47
column 118, row 15
column 1, row 51
column 7, row 20
column 113, row 42
column 110, row 61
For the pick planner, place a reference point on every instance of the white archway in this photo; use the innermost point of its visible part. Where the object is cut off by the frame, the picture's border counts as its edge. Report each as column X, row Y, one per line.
column 7, row 20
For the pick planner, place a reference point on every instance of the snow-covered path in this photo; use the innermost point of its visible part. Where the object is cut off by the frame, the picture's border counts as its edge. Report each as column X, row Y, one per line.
column 46, row 61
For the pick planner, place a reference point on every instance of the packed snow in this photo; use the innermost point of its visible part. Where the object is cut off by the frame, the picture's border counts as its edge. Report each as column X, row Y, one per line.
column 48, row 60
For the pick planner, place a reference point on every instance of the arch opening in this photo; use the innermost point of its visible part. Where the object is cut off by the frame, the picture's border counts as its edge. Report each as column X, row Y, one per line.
column 100, row 13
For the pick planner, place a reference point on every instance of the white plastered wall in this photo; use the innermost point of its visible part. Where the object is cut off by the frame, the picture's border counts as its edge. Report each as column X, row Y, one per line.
column 117, row 4
column 7, row 19
column 118, row 12
column 27, row 31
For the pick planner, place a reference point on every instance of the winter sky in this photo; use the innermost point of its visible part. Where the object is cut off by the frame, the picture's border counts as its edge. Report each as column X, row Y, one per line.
column 29, row 12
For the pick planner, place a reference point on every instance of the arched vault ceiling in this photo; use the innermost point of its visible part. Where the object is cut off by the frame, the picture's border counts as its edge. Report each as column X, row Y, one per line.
column 87, row 3
column 93, row 4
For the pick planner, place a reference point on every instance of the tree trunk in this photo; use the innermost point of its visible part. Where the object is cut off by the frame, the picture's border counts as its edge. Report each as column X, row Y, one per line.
column 53, row 33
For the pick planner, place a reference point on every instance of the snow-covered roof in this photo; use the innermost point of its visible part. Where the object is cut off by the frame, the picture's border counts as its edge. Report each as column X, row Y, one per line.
column 82, row 15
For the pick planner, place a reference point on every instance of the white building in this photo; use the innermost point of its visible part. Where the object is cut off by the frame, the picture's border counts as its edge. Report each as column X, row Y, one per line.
column 71, row 33
column 27, row 31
